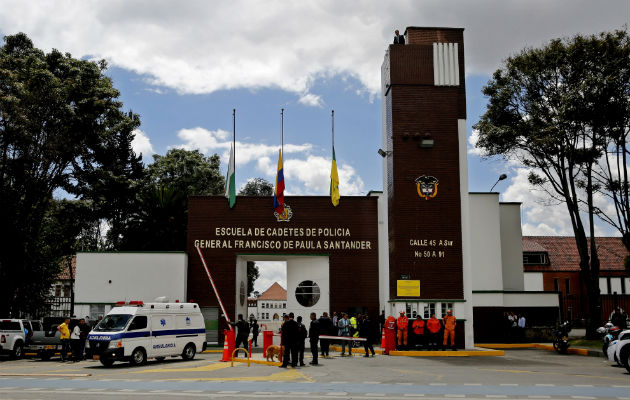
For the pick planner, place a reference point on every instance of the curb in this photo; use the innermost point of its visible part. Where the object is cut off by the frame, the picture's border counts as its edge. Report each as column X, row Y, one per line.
column 570, row 350
column 448, row 353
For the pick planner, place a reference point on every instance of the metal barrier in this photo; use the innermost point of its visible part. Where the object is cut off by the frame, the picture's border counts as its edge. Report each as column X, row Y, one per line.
column 245, row 350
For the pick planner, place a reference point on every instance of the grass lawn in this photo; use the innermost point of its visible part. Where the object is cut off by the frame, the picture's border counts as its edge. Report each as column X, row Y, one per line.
column 594, row 344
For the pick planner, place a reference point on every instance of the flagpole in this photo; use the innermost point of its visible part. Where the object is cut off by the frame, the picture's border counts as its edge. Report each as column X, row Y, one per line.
column 333, row 129
column 282, row 129
column 234, row 133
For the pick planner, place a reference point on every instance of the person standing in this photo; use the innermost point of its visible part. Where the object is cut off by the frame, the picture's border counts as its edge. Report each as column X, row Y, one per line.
column 75, row 343
column 418, row 330
column 301, row 336
column 85, row 330
column 64, row 330
column 433, row 326
column 325, row 328
column 381, row 321
column 449, row 329
column 366, row 331
column 403, row 327
column 255, row 329
column 344, row 330
column 289, row 341
column 398, row 38
column 313, row 337
column 242, row 333
column 521, row 327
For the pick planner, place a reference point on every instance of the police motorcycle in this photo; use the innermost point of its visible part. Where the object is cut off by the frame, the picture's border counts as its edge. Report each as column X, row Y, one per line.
column 609, row 334
column 561, row 338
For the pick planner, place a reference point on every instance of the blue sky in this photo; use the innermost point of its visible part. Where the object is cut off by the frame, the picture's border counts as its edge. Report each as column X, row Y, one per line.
column 183, row 66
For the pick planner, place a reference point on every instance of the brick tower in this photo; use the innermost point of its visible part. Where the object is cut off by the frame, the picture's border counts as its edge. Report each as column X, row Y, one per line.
column 425, row 172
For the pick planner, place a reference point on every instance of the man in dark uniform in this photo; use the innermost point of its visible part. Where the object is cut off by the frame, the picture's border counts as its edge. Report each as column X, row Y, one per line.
column 289, row 341
column 325, row 328
column 255, row 333
column 398, row 38
column 313, row 337
column 300, row 340
column 242, row 332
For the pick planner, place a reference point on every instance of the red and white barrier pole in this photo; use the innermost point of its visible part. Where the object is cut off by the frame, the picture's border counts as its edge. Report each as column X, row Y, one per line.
column 227, row 318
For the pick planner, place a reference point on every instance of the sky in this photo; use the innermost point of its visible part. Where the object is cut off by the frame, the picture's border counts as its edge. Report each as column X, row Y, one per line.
column 184, row 66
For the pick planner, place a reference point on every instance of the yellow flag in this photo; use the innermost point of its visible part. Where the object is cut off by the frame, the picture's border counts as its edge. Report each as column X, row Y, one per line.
column 334, row 182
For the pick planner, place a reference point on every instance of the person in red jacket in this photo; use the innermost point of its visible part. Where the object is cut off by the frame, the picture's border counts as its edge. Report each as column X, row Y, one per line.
column 433, row 326
column 390, row 334
column 403, row 326
column 418, row 330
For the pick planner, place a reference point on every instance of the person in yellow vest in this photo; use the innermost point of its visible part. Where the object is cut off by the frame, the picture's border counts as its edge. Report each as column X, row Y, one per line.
column 449, row 328
column 64, row 330
column 403, row 325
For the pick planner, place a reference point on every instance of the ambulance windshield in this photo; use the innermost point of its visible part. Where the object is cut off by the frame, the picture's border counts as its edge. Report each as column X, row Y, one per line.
column 113, row 322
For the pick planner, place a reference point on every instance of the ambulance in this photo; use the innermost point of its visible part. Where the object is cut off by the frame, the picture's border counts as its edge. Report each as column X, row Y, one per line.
column 135, row 331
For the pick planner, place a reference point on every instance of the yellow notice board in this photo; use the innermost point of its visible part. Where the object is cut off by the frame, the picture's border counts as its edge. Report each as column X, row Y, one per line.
column 408, row 288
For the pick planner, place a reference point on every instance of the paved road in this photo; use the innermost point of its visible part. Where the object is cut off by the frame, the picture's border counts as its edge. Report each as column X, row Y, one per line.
column 529, row 374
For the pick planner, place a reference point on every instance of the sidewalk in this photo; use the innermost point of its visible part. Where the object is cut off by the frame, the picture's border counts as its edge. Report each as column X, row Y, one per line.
column 583, row 351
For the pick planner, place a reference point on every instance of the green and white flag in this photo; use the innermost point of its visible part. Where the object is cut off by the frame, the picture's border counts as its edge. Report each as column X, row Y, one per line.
column 230, row 181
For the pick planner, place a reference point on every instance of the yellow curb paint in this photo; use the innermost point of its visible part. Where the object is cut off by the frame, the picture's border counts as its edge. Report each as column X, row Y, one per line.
column 288, row 375
column 213, row 351
column 203, row 368
column 262, row 362
column 62, row 375
column 458, row 353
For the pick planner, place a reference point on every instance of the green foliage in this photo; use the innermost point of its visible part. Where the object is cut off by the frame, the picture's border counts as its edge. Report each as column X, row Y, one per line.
column 252, row 274
column 187, row 171
column 257, row 187
column 557, row 109
column 61, row 128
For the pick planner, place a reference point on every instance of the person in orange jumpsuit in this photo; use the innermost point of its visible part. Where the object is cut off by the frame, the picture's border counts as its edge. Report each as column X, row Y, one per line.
column 418, row 330
column 403, row 324
column 390, row 334
column 449, row 328
column 433, row 325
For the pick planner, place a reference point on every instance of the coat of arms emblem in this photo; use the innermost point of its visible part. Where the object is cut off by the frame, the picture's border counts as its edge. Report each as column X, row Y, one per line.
column 286, row 214
column 427, row 186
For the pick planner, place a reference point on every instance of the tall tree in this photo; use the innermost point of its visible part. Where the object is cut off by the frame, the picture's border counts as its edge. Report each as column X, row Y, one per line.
column 257, row 187
column 60, row 118
column 252, row 274
column 550, row 109
column 161, row 217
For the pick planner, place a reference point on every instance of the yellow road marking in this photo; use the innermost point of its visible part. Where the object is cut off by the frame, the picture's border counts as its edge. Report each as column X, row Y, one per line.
column 289, row 375
column 203, row 368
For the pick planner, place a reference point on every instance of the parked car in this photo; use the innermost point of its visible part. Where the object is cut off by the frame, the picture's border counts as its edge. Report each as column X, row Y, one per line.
column 622, row 350
column 13, row 335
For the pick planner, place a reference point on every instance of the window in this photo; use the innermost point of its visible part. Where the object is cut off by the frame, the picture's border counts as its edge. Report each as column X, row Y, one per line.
column 284, row 305
column 97, row 310
column 408, row 309
column 535, row 259
column 66, row 291
column 57, row 290
column 556, row 285
column 608, row 285
column 429, row 310
column 414, row 314
column 307, row 293
column 623, row 285
column 262, row 305
column 139, row 322
column 567, row 285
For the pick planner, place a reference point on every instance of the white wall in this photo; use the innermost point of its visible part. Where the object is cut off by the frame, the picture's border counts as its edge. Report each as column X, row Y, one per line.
column 533, row 281
column 308, row 268
column 522, row 299
column 603, row 286
column 615, row 285
column 241, row 277
column 511, row 246
column 111, row 277
column 485, row 242
column 383, row 251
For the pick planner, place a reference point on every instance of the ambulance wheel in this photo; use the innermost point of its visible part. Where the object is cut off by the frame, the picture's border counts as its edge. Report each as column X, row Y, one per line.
column 106, row 362
column 138, row 357
column 160, row 359
column 189, row 352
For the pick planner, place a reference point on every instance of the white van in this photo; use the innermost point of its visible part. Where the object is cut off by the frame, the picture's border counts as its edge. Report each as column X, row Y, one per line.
column 134, row 331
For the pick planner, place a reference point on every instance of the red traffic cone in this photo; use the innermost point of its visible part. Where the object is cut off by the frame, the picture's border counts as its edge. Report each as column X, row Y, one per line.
column 228, row 345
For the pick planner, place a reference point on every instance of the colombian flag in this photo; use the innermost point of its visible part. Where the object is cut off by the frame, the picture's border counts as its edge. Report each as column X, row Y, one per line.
column 278, row 194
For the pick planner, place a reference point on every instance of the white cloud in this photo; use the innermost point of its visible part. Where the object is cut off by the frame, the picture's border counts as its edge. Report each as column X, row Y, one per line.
column 313, row 173
column 141, row 144
column 472, row 143
column 310, row 99
column 270, row 272
column 219, row 141
column 202, row 47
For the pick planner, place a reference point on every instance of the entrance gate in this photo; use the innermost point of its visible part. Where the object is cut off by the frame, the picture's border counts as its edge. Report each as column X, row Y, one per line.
column 332, row 249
